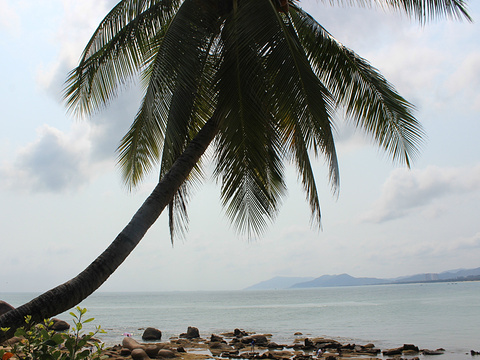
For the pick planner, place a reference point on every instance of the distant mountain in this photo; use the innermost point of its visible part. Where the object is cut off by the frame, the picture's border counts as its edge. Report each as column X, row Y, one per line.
column 338, row 280
column 278, row 282
column 459, row 274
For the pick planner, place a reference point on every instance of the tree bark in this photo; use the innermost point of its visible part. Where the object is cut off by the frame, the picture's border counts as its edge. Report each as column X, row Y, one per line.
column 72, row 292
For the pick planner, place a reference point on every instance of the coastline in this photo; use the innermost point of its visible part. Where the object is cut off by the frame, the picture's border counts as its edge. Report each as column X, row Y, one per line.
column 242, row 345
column 428, row 315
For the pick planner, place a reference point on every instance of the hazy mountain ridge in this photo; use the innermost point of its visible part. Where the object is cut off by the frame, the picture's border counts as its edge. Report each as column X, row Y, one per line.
column 284, row 282
column 279, row 282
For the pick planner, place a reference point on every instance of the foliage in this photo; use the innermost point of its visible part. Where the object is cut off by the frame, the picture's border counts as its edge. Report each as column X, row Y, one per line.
column 39, row 342
column 266, row 71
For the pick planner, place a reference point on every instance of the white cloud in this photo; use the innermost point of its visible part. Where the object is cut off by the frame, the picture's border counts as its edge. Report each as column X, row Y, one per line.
column 9, row 18
column 54, row 162
column 465, row 81
column 406, row 190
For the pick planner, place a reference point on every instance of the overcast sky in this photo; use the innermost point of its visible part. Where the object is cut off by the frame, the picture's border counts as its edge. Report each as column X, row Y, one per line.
column 62, row 200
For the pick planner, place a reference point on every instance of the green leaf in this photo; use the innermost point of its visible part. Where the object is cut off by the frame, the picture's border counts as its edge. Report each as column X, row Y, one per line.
column 83, row 354
column 88, row 320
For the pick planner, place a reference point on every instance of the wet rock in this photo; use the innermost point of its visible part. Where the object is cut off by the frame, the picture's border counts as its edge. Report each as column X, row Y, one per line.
column 131, row 344
column 5, row 307
column 151, row 333
column 392, row 352
column 192, row 333
column 308, row 344
column 433, row 352
column 139, row 354
column 473, row 352
column 410, row 347
column 125, row 352
column 324, row 343
column 181, row 349
column 298, row 333
column 165, row 353
column 302, row 357
column 229, row 354
column 239, row 333
column 59, row 325
column 216, row 338
column 11, row 341
column 274, row 345
column 260, row 340
column 281, row 355
column 151, row 350
column 217, row 348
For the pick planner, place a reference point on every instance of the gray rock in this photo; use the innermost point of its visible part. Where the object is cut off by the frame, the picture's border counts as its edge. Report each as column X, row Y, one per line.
column 139, row 354
column 192, row 333
column 132, row 344
column 151, row 350
column 151, row 333
column 166, row 353
column 59, row 325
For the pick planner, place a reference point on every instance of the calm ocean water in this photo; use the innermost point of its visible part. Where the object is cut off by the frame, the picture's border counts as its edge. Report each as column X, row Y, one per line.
column 428, row 315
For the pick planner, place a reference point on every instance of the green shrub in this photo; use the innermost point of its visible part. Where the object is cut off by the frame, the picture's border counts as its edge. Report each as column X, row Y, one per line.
column 40, row 343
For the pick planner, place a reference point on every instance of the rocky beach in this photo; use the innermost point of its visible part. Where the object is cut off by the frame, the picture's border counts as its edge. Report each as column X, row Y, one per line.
column 379, row 322
column 239, row 344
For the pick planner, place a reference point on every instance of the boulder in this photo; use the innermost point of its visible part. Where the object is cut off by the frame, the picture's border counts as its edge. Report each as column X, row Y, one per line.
column 308, row 344
column 325, row 343
column 274, row 345
column 5, row 307
column 330, row 357
column 151, row 333
column 217, row 348
column 192, row 333
column 139, row 354
column 410, row 347
column 165, row 353
column 132, row 344
column 216, row 338
column 433, row 352
column 125, row 352
column 59, row 325
column 283, row 355
column 239, row 333
column 391, row 352
column 151, row 350
column 260, row 340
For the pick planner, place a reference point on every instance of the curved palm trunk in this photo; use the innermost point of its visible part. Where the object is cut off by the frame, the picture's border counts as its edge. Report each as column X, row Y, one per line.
column 72, row 292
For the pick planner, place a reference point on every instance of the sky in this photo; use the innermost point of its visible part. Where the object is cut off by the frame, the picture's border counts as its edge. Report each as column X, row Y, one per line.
column 62, row 199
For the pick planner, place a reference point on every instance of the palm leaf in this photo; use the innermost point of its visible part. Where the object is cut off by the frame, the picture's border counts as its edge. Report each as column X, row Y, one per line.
column 248, row 146
column 116, row 52
column 423, row 10
column 368, row 98
column 304, row 106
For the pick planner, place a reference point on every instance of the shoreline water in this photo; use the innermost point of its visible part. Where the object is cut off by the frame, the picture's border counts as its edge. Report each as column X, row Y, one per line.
column 428, row 315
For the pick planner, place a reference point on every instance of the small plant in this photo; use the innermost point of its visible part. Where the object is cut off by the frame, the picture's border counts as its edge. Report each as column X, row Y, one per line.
column 40, row 343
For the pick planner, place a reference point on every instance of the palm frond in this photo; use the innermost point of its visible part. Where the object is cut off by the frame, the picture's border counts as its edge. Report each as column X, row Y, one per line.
column 248, row 145
column 196, row 26
column 304, row 108
column 422, row 10
column 116, row 52
column 368, row 98
column 172, row 77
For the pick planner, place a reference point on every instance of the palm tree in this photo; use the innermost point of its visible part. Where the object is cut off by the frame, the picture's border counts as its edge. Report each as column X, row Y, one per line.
column 260, row 79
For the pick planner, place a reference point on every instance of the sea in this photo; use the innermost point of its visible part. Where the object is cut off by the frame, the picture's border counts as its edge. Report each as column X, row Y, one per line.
column 428, row 315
